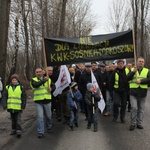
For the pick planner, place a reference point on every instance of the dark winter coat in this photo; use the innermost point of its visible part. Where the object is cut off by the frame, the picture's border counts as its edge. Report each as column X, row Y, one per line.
column 84, row 80
column 122, row 83
column 5, row 97
column 88, row 99
column 139, row 92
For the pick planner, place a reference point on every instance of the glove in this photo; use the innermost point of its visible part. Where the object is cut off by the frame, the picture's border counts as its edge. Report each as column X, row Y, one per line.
column 93, row 94
column 73, row 98
column 93, row 105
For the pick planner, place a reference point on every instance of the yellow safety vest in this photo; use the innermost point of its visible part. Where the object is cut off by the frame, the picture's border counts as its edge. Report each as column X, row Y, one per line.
column 140, row 76
column 41, row 93
column 116, row 85
column 14, row 98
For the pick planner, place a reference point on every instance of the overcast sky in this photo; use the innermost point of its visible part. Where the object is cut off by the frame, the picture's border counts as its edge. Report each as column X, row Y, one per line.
column 100, row 8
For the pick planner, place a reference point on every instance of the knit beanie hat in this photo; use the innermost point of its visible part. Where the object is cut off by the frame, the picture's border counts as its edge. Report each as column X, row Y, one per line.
column 71, row 69
column 73, row 84
column 89, row 86
column 15, row 76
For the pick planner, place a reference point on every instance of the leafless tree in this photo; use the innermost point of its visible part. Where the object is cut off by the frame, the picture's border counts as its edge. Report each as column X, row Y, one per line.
column 119, row 16
column 4, row 24
column 140, row 13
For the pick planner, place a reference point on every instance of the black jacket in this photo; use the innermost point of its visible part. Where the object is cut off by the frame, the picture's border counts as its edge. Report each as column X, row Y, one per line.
column 139, row 92
column 122, row 83
column 78, row 73
column 83, row 81
column 108, row 75
column 88, row 99
column 5, row 97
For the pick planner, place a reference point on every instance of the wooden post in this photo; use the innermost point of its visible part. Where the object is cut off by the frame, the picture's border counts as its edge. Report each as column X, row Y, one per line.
column 93, row 105
column 134, row 46
column 45, row 62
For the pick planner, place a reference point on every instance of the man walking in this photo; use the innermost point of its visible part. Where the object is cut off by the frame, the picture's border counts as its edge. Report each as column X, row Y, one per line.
column 140, row 78
column 42, row 98
column 119, row 85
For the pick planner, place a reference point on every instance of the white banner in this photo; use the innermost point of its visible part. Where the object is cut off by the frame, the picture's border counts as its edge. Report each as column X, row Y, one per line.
column 63, row 80
column 101, row 103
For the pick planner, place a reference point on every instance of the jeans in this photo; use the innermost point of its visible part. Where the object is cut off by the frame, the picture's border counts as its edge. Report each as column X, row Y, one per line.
column 119, row 100
column 73, row 116
column 137, row 112
column 43, row 110
column 108, row 101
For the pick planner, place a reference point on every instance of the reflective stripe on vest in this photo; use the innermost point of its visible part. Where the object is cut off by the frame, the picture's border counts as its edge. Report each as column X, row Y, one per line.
column 140, row 76
column 41, row 93
column 116, row 85
column 14, row 98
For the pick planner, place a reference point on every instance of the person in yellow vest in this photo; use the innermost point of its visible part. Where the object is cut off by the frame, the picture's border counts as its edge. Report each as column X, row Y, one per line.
column 119, row 86
column 14, row 100
column 140, row 78
column 42, row 98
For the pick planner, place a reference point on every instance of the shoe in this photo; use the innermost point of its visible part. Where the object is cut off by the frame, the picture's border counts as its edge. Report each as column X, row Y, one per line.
column 88, row 126
column 107, row 114
column 132, row 127
column 59, row 119
column 49, row 130
column 40, row 135
column 122, row 120
column 95, row 130
column 76, row 125
column 71, row 128
column 114, row 120
column 18, row 135
column 140, row 127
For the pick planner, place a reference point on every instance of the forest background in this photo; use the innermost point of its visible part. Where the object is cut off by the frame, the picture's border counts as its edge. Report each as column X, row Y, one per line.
column 23, row 23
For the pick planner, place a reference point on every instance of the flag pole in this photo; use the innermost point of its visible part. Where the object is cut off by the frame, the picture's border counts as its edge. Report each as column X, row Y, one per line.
column 45, row 61
column 93, row 105
column 134, row 45
column 134, row 48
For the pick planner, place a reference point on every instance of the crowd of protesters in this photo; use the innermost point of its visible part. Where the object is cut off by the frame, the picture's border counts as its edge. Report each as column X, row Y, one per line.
column 123, row 86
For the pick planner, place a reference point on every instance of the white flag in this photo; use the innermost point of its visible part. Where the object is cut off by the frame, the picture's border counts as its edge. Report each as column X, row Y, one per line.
column 63, row 80
column 101, row 103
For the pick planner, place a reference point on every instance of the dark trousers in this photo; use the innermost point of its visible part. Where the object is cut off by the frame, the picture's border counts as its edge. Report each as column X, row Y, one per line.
column 16, row 120
column 119, row 102
column 92, row 117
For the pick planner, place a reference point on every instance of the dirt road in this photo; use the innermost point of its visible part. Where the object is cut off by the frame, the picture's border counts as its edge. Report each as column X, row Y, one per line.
column 28, row 117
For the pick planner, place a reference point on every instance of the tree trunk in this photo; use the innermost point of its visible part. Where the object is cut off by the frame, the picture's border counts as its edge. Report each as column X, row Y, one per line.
column 4, row 23
column 62, row 20
column 33, row 41
column 27, row 66
column 142, row 30
column 135, row 24
column 15, row 55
